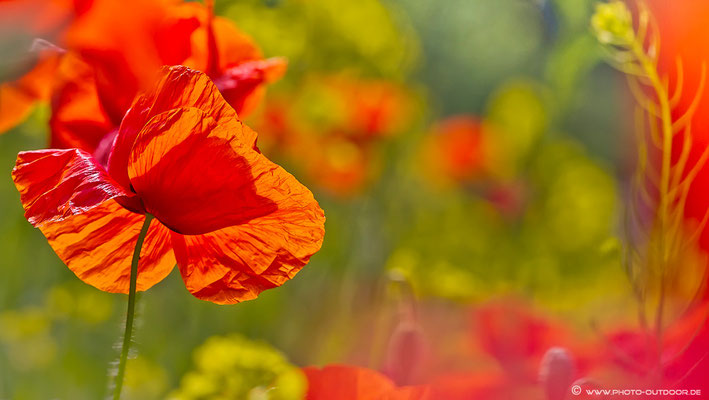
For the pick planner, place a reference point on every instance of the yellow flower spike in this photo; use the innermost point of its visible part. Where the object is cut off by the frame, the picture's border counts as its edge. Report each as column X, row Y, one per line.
column 612, row 23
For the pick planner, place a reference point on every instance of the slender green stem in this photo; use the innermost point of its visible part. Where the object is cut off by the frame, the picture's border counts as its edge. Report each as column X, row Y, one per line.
column 665, row 176
column 131, row 308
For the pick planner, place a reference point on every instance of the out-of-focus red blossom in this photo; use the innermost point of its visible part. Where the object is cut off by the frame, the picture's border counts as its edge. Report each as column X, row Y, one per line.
column 341, row 382
column 28, row 69
column 455, row 152
column 520, row 339
column 125, row 42
column 230, row 58
column 235, row 223
column 455, row 148
column 333, row 135
column 522, row 355
column 373, row 108
column 18, row 97
column 112, row 50
column 682, row 361
column 515, row 336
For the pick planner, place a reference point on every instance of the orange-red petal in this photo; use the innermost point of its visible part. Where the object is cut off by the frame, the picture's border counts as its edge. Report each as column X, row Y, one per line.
column 98, row 246
column 78, row 119
column 198, row 181
column 194, row 175
column 176, row 87
column 242, row 85
column 233, row 46
column 340, row 382
column 56, row 184
column 18, row 98
column 126, row 55
column 74, row 202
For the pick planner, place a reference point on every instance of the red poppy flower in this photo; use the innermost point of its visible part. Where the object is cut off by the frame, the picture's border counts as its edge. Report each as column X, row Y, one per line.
column 455, row 148
column 27, row 68
column 339, row 122
column 236, row 223
column 683, row 356
column 230, row 58
column 340, row 382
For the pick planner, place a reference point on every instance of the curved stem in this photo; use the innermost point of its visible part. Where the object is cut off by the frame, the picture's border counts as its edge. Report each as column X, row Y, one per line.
column 131, row 308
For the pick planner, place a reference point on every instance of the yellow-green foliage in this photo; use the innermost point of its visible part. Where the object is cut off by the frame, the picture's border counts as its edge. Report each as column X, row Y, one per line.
column 233, row 367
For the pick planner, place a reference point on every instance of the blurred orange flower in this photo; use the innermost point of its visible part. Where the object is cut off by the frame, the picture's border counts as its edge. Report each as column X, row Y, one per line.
column 236, row 223
column 107, row 60
column 455, row 148
column 341, row 382
column 332, row 126
column 29, row 61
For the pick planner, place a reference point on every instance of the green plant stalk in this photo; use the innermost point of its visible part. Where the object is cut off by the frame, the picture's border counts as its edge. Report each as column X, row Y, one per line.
column 666, row 118
column 131, row 308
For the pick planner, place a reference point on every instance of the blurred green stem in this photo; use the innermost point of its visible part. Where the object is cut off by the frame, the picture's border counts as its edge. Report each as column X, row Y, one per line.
column 131, row 308
column 650, row 69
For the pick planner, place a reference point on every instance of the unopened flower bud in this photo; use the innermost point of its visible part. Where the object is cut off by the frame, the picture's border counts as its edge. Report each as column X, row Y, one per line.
column 556, row 372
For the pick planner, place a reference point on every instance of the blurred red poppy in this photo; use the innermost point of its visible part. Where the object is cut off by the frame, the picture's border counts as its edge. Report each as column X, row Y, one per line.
column 107, row 60
column 455, row 148
column 333, row 126
column 679, row 360
column 236, row 223
column 230, row 58
column 341, row 382
column 29, row 61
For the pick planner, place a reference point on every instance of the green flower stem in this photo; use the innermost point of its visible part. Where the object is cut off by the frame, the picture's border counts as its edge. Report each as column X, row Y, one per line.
column 131, row 308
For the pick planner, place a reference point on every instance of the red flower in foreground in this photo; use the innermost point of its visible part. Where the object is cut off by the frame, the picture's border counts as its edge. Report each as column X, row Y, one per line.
column 236, row 223
column 340, row 382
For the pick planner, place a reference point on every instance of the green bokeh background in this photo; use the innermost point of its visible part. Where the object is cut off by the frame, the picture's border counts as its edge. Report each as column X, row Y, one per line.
column 530, row 66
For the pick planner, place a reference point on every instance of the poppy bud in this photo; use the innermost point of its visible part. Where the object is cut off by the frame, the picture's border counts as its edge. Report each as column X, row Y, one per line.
column 405, row 354
column 556, row 372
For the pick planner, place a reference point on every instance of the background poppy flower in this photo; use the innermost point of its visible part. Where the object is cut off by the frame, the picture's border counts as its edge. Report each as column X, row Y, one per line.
column 334, row 127
column 29, row 60
column 341, row 382
column 455, row 148
column 230, row 58
column 179, row 147
column 105, row 60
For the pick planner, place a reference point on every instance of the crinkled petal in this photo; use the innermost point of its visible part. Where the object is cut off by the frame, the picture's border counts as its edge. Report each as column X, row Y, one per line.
column 245, row 225
column 237, row 263
column 194, row 175
column 56, row 184
column 98, row 246
column 74, row 202
column 177, row 87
